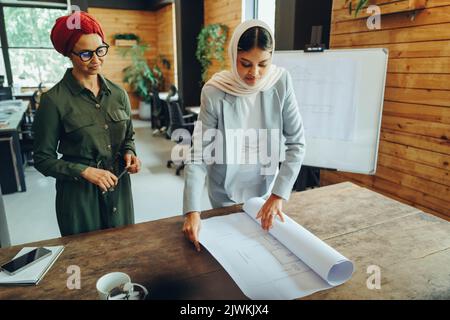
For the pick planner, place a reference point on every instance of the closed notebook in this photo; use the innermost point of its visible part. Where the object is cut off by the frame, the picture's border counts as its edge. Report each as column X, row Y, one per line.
column 34, row 273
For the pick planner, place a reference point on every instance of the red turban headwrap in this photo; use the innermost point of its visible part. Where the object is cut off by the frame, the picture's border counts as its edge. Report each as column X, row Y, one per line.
column 68, row 30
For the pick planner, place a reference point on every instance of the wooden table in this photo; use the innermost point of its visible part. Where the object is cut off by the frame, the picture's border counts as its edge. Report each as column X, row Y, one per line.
column 410, row 247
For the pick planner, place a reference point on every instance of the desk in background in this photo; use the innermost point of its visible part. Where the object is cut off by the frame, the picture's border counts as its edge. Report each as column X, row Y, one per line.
column 12, row 176
column 5, row 240
column 409, row 246
column 193, row 109
column 27, row 95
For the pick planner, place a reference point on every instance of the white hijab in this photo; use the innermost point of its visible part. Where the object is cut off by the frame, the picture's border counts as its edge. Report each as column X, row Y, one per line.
column 230, row 81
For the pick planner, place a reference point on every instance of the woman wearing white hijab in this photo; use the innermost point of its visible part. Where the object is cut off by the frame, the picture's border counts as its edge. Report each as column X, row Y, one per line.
column 256, row 95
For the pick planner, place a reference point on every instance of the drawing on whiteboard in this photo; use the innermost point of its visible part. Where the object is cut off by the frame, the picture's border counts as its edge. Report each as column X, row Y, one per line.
column 323, row 88
column 340, row 95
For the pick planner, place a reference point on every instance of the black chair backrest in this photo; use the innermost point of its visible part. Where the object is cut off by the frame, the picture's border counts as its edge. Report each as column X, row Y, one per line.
column 175, row 115
column 172, row 91
column 5, row 93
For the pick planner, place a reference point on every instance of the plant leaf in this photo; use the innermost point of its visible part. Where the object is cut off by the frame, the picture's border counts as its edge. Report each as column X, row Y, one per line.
column 210, row 43
column 360, row 5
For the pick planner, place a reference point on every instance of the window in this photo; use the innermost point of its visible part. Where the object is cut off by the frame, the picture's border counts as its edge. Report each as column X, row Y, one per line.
column 266, row 12
column 31, row 54
column 260, row 9
column 248, row 9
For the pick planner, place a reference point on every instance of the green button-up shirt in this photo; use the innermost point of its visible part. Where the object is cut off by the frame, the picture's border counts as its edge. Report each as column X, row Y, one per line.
column 87, row 131
column 83, row 128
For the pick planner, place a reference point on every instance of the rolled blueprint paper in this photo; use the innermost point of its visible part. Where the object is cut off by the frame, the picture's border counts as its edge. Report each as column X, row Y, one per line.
column 329, row 264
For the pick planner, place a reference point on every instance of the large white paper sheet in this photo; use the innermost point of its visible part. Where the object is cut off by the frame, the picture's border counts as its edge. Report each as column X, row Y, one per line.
column 287, row 262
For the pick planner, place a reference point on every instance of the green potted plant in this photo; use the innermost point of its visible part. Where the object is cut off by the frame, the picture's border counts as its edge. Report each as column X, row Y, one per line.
column 210, row 45
column 165, row 63
column 125, row 39
column 359, row 5
column 140, row 76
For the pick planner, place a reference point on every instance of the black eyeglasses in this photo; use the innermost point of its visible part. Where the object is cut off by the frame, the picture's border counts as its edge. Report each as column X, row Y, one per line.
column 87, row 55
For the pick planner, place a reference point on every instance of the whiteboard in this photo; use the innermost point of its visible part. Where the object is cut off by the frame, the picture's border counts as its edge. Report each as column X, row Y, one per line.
column 340, row 95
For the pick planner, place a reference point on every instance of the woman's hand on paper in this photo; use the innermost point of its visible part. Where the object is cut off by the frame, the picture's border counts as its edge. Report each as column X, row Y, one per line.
column 271, row 208
column 191, row 228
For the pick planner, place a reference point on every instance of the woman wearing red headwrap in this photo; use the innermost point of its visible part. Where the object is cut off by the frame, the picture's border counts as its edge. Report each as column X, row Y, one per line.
column 86, row 118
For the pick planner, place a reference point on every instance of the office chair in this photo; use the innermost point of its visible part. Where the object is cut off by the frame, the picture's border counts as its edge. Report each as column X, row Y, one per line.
column 173, row 91
column 27, row 139
column 178, row 121
column 6, row 93
column 160, row 114
column 27, row 134
column 174, row 95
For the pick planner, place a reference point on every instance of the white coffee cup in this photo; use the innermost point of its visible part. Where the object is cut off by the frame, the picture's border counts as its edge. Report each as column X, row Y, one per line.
column 130, row 291
column 110, row 281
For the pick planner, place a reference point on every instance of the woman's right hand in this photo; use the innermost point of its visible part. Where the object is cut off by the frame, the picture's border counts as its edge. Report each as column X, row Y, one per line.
column 102, row 178
column 191, row 228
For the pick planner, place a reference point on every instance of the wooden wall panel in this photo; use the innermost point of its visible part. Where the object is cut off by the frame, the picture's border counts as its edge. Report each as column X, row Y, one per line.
column 400, row 35
column 424, row 17
column 431, row 158
column 424, row 128
column 165, row 42
column 142, row 23
column 416, row 111
column 418, row 81
column 420, row 49
column 228, row 12
column 414, row 151
column 153, row 28
column 415, row 140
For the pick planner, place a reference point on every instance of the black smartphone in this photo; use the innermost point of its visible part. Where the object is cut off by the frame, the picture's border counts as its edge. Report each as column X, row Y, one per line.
column 26, row 260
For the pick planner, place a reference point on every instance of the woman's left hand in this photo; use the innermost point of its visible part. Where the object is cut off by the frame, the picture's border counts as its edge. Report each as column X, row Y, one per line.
column 132, row 163
column 271, row 208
